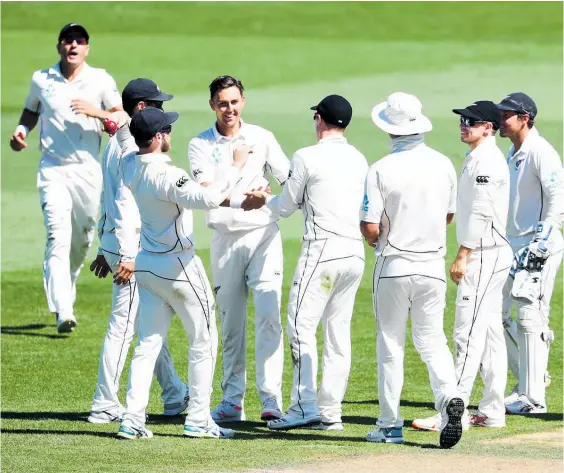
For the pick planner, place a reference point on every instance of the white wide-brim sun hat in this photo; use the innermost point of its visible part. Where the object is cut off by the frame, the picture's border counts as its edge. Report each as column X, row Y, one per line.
column 401, row 115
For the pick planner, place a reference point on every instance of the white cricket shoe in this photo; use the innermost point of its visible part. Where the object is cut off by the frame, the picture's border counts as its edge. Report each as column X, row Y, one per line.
column 524, row 406
column 479, row 419
column 433, row 423
column 66, row 323
column 211, row 430
column 106, row 417
column 514, row 396
column 270, row 410
column 385, row 435
column 179, row 407
column 328, row 426
column 129, row 431
column 451, row 428
column 227, row 411
column 291, row 421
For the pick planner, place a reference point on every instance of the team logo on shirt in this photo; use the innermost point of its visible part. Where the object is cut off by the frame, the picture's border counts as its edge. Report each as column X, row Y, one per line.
column 197, row 172
column 518, row 163
column 183, row 180
column 480, row 180
column 216, row 156
column 365, row 203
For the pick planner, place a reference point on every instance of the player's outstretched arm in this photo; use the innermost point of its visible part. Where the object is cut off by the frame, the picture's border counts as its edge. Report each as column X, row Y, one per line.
column 27, row 122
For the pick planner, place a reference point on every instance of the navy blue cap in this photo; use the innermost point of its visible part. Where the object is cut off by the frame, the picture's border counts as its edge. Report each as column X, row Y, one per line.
column 335, row 110
column 73, row 27
column 148, row 122
column 482, row 111
column 520, row 103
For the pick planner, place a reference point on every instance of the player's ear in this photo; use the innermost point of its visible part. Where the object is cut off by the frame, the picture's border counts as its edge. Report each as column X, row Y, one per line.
column 211, row 105
column 87, row 47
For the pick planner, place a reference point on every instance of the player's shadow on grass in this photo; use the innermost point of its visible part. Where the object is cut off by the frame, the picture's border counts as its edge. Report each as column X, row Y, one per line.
column 403, row 402
column 66, row 416
column 25, row 330
column 59, row 432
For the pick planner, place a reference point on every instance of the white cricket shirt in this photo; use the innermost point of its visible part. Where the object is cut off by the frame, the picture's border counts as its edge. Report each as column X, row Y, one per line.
column 211, row 153
column 119, row 216
column 537, row 185
column 409, row 193
column 165, row 196
column 66, row 137
column 483, row 197
column 327, row 182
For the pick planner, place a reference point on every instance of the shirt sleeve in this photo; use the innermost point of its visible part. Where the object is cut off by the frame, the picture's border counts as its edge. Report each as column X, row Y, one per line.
column 276, row 161
column 178, row 187
column 127, row 221
column 110, row 94
column 292, row 194
column 373, row 201
column 453, row 190
column 551, row 176
column 487, row 180
column 200, row 166
column 33, row 100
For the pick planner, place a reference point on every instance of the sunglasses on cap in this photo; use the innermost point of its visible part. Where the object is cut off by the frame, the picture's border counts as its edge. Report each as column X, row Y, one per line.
column 465, row 121
column 80, row 40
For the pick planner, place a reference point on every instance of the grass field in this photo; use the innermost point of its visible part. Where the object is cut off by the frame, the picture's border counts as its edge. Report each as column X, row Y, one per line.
column 289, row 55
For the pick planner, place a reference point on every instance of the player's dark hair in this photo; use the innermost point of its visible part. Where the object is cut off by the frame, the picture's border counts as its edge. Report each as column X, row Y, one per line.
column 224, row 82
column 530, row 123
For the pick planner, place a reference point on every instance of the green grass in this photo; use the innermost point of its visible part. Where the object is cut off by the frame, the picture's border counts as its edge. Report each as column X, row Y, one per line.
column 289, row 56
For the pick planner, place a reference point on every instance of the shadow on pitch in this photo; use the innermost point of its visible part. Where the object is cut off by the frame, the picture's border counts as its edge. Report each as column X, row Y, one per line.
column 25, row 330
column 66, row 416
column 59, row 432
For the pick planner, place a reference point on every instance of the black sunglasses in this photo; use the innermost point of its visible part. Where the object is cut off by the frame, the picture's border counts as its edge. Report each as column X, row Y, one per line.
column 465, row 121
column 80, row 40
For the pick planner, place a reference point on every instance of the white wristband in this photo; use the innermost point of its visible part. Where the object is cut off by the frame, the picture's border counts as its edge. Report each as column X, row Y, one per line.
column 22, row 129
column 236, row 200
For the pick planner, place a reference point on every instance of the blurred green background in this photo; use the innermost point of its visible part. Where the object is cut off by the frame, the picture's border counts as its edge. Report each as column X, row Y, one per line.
column 289, row 55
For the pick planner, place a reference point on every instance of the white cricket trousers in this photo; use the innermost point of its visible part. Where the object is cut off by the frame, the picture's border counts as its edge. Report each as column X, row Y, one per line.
column 325, row 283
column 70, row 199
column 400, row 288
column 528, row 337
column 169, row 284
column 122, row 326
column 478, row 329
column 239, row 261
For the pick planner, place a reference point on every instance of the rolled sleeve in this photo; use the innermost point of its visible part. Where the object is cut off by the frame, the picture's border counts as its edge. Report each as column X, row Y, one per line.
column 373, row 201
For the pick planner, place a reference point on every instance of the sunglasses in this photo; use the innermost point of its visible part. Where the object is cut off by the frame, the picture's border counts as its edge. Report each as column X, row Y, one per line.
column 81, row 41
column 465, row 121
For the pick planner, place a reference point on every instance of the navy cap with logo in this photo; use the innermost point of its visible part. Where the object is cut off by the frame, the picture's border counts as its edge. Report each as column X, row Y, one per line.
column 143, row 89
column 520, row 103
column 481, row 111
column 148, row 122
column 73, row 27
column 335, row 110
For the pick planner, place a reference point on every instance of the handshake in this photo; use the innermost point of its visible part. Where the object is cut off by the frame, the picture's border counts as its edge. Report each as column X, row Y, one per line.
column 256, row 198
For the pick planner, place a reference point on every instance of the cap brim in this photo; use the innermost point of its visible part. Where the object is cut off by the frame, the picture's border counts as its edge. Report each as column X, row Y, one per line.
column 162, row 97
column 467, row 113
column 380, row 119
column 170, row 118
column 313, row 108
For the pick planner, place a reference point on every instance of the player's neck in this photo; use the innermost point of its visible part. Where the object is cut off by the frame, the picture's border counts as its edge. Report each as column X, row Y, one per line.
column 477, row 143
column 70, row 71
column 332, row 133
column 228, row 131
column 519, row 138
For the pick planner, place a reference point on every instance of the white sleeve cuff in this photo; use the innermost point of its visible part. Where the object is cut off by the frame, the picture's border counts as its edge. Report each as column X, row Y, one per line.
column 236, row 200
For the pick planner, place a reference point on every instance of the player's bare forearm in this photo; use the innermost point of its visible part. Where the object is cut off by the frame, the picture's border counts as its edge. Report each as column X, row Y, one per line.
column 370, row 232
column 29, row 119
column 449, row 218
column 27, row 122
column 458, row 268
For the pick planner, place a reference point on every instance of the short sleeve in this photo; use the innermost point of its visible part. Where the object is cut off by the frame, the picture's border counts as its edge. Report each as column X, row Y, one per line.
column 110, row 94
column 373, row 201
column 33, row 100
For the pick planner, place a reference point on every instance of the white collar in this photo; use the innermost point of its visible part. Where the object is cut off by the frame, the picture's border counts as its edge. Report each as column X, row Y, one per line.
column 333, row 139
column 526, row 145
column 56, row 70
column 219, row 137
column 153, row 158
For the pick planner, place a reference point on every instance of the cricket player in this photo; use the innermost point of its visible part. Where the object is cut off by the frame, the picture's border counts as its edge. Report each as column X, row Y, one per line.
column 68, row 97
column 480, row 268
column 118, row 230
column 536, row 210
column 327, row 182
column 410, row 197
column 170, row 277
column 246, row 251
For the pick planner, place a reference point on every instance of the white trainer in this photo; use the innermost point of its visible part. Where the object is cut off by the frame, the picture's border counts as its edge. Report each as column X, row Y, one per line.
column 385, row 435
column 179, row 407
column 290, row 421
column 433, row 423
column 66, row 323
column 212, row 431
column 524, row 406
column 105, row 417
column 128, row 431
column 227, row 411
column 328, row 426
column 270, row 410
column 479, row 419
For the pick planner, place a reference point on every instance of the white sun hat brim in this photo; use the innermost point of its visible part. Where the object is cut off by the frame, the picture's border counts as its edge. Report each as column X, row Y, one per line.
column 420, row 125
